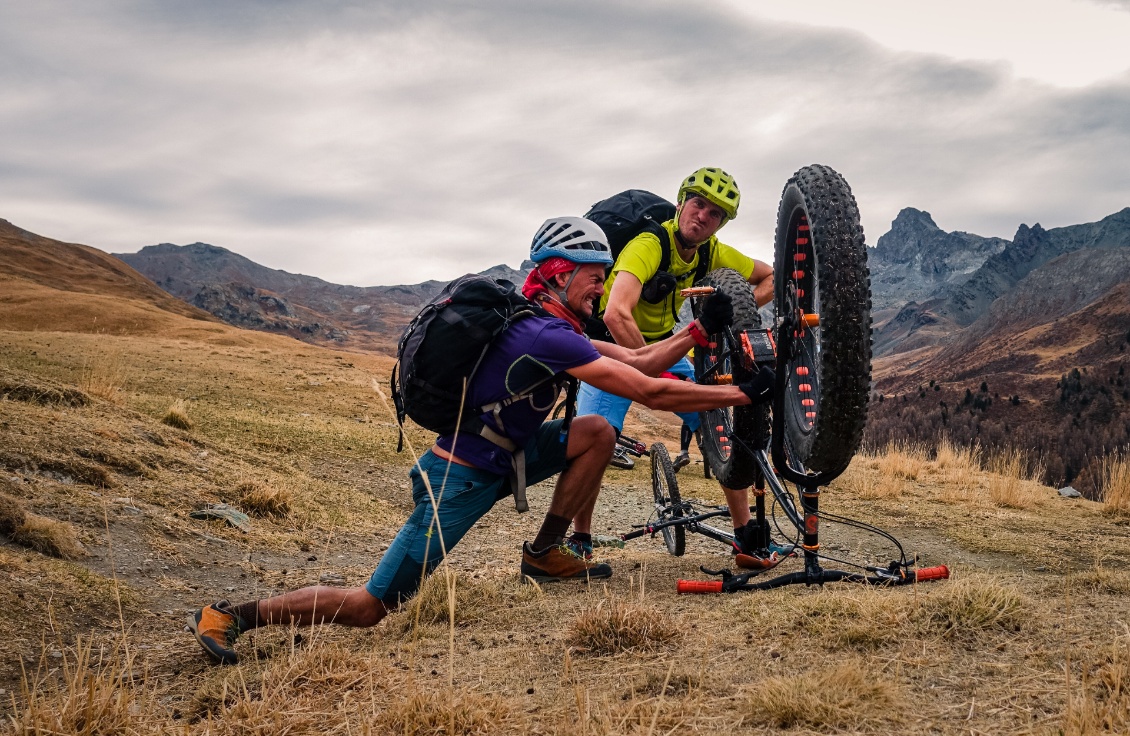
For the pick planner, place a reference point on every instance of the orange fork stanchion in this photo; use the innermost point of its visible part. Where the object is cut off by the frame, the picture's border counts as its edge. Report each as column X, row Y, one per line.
column 810, row 507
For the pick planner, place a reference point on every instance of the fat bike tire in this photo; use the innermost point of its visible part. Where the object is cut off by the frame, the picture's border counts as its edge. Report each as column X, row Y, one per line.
column 731, row 436
column 821, row 268
column 667, row 499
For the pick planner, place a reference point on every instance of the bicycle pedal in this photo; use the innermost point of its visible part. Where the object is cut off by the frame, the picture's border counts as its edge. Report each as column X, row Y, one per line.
column 750, row 562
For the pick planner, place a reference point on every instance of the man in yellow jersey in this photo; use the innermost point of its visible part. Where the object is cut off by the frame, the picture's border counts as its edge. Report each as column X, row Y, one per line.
column 641, row 303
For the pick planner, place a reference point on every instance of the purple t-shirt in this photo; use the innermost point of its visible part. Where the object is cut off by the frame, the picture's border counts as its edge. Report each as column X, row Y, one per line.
column 529, row 350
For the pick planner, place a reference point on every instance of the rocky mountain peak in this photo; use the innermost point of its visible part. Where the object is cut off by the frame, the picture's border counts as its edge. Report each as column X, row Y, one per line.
column 916, row 257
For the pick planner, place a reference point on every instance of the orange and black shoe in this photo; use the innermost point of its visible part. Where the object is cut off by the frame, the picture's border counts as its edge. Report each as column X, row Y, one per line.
column 560, row 562
column 217, row 627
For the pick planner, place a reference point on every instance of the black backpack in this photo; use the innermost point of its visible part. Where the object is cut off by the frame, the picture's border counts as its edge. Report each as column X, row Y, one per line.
column 440, row 352
column 622, row 217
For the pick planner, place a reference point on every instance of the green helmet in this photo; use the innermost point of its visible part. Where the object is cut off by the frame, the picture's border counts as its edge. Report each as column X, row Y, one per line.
column 717, row 186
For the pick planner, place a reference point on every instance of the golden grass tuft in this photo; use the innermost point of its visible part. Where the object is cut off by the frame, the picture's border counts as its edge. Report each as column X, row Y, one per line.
column 897, row 462
column 862, row 618
column 1012, row 480
column 93, row 693
column 860, row 482
column 616, row 625
column 845, row 697
column 1116, row 484
column 975, row 604
column 12, row 514
column 103, row 376
column 177, row 415
column 1102, row 703
column 1101, row 579
column 461, row 712
column 51, row 537
column 902, row 460
column 474, row 601
column 963, row 459
column 258, row 499
column 285, row 690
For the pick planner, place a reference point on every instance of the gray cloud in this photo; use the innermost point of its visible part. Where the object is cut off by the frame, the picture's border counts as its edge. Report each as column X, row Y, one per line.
column 394, row 142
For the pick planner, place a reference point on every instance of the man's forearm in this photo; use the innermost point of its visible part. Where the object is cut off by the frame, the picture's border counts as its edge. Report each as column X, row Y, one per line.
column 624, row 330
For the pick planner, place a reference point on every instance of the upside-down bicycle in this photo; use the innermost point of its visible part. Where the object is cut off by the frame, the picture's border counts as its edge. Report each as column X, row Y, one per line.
column 820, row 347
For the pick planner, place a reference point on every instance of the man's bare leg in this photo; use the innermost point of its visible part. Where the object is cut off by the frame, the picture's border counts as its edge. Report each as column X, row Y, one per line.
column 322, row 604
column 591, row 440
column 737, row 500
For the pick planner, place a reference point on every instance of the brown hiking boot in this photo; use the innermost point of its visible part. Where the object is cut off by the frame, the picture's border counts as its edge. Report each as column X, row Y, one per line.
column 217, row 627
column 560, row 562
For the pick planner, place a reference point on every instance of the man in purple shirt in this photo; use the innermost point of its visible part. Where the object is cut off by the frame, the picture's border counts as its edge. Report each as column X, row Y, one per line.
column 467, row 473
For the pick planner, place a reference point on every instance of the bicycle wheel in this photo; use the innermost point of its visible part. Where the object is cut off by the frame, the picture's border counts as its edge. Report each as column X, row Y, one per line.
column 731, row 435
column 821, row 269
column 667, row 499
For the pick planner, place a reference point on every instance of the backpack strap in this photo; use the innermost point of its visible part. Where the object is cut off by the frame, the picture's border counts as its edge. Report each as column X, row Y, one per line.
column 665, row 247
column 703, row 262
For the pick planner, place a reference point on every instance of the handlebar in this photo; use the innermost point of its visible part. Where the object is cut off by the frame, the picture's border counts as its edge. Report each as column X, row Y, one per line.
column 735, row 583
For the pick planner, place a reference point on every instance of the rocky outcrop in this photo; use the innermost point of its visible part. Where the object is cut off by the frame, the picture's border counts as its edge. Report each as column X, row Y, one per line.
column 916, row 258
column 958, row 300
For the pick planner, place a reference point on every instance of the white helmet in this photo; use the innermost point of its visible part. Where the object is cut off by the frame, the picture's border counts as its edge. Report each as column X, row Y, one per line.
column 573, row 238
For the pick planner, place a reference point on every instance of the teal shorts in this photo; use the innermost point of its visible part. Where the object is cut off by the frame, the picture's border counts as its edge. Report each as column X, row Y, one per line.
column 463, row 496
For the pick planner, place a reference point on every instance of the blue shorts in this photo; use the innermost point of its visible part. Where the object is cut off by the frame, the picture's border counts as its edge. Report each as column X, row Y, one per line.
column 591, row 400
column 463, row 496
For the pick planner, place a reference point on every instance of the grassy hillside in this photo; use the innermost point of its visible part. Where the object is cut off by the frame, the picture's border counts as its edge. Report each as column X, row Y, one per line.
column 100, row 564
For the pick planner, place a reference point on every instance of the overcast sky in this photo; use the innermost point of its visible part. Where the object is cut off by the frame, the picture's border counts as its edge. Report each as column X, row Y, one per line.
column 392, row 142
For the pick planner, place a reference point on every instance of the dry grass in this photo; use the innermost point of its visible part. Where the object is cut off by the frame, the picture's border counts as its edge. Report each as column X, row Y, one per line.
column 51, row 537
column 104, row 376
column 1103, row 579
column 859, row 480
column 936, row 650
column 974, row 605
column 615, row 625
column 260, row 499
column 475, row 600
column 903, row 461
column 957, row 460
column 94, row 692
column 1101, row 704
column 1012, row 480
column 461, row 712
column 1116, row 484
column 12, row 514
column 848, row 696
column 177, row 415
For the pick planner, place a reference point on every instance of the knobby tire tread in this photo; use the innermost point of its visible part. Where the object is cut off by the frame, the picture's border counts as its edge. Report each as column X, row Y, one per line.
column 842, row 282
column 747, row 427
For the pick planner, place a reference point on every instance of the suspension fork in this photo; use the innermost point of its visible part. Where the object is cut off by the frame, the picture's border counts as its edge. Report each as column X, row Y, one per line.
column 810, row 508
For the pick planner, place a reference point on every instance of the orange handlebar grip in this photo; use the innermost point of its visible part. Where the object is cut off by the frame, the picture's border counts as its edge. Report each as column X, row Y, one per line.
column 941, row 572
column 701, row 587
column 811, row 320
column 697, row 291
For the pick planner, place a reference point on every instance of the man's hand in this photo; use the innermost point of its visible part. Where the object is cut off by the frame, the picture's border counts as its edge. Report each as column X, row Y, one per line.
column 717, row 313
column 760, row 388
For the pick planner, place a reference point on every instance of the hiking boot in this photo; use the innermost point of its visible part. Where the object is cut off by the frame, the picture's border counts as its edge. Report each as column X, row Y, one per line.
column 560, row 562
column 620, row 459
column 681, row 461
column 217, row 627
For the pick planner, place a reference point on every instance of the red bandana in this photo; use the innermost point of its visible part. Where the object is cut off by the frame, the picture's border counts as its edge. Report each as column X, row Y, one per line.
column 536, row 289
